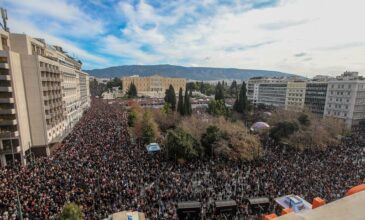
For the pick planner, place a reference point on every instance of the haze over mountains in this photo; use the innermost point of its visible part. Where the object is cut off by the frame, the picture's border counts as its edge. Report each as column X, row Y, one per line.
column 193, row 73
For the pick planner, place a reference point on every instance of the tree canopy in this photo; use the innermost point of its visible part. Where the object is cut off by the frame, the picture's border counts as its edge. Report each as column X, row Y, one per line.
column 71, row 211
column 217, row 108
column 132, row 91
column 241, row 104
column 219, row 91
column 170, row 97
column 180, row 104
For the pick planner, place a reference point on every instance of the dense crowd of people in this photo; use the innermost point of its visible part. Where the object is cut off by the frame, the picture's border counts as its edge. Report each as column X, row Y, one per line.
column 99, row 168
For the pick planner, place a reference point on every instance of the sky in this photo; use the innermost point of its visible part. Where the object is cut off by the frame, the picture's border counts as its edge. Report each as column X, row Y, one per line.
column 305, row 37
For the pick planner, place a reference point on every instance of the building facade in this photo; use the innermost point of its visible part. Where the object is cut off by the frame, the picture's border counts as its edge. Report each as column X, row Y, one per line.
column 267, row 91
column 15, row 140
column 315, row 97
column 43, row 95
column 153, row 86
column 346, row 99
column 295, row 95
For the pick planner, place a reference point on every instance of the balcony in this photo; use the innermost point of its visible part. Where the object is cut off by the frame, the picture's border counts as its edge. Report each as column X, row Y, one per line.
column 6, row 89
column 7, row 149
column 5, row 77
column 7, row 111
column 6, row 122
column 4, row 66
column 3, row 53
column 7, row 134
column 6, row 100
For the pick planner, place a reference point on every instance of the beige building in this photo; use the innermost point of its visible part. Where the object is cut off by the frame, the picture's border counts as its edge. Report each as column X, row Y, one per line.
column 153, row 86
column 43, row 93
column 15, row 139
column 295, row 95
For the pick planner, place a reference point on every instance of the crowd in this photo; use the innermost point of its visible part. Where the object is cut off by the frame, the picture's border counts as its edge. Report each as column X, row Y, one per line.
column 99, row 168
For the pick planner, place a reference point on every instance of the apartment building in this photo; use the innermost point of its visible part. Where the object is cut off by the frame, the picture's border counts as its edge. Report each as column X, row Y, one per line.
column 345, row 98
column 52, row 90
column 315, row 96
column 295, row 95
column 15, row 138
column 153, row 86
column 84, row 90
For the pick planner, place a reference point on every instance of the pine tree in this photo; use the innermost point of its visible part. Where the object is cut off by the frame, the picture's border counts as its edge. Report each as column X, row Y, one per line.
column 187, row 104
column 219, row 92
column 170, row 97
column 233, row 89
column 241, row 103
column 132, row 91
column 180, row 104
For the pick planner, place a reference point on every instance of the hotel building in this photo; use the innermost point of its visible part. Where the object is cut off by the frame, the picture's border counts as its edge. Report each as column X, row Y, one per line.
column 46, row 94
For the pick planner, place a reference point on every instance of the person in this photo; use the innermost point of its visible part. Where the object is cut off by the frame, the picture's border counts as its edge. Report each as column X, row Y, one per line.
column 98, row 168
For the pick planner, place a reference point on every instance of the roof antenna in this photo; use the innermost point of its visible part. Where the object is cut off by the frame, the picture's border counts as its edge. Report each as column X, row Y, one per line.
column 4, row 16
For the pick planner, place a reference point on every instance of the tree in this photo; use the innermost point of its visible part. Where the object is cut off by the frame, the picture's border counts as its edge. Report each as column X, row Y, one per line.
column 132, row 91
column 181, row 144
column 180, row 104
column 304, row 119
column 233, row 89
column 132, row 115
column 148, row 129
column 187, row 104
column 241, row 104
column 170, row 97
column 219, row 94
column 116, row 82
column 209, row 139
column 71, row 211
column 283, row 130
column 217, row 108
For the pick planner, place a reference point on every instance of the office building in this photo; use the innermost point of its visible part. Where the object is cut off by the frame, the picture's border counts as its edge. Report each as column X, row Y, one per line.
column 153, row 86
column 267, row 91
column 295, row 95
column 345, row 99
column 315, row 96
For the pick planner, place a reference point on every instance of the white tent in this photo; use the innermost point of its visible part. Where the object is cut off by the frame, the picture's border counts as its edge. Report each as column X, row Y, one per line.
column 153, row 147
column 259, row 126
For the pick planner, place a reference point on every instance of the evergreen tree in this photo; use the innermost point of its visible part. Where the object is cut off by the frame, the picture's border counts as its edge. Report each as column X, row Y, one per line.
column 190, row 92
column 233, row 90
column 180, row 104
column 187, row 104
column 219, row 92
column 202, row 87
column 241, row 103
column 148, row 133
column 132, row 91
column 71, row 211
column 170, row 97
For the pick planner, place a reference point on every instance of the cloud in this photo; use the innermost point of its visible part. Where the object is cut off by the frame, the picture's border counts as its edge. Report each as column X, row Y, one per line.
column 266, row 34
column 278, row 25
column 343, row 46
column 62, row 17
column 30, row 29
column 300, row 54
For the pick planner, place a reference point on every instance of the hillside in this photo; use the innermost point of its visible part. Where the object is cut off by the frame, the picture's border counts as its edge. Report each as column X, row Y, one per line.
column 193, row 73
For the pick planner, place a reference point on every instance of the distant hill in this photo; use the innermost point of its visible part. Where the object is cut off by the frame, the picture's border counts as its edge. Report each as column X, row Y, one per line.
column 193, row 73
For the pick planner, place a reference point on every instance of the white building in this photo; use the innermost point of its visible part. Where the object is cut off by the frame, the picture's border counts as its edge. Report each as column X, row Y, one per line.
column 346, row 98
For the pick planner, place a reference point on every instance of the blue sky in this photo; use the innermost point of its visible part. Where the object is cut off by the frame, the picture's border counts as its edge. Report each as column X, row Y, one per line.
column 306, row 37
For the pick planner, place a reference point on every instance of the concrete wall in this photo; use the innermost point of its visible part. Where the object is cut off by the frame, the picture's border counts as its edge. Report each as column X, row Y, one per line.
column 20, row 101
column 34, row 96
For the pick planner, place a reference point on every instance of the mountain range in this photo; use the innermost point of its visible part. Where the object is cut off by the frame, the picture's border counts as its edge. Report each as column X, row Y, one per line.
column 192, row 73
